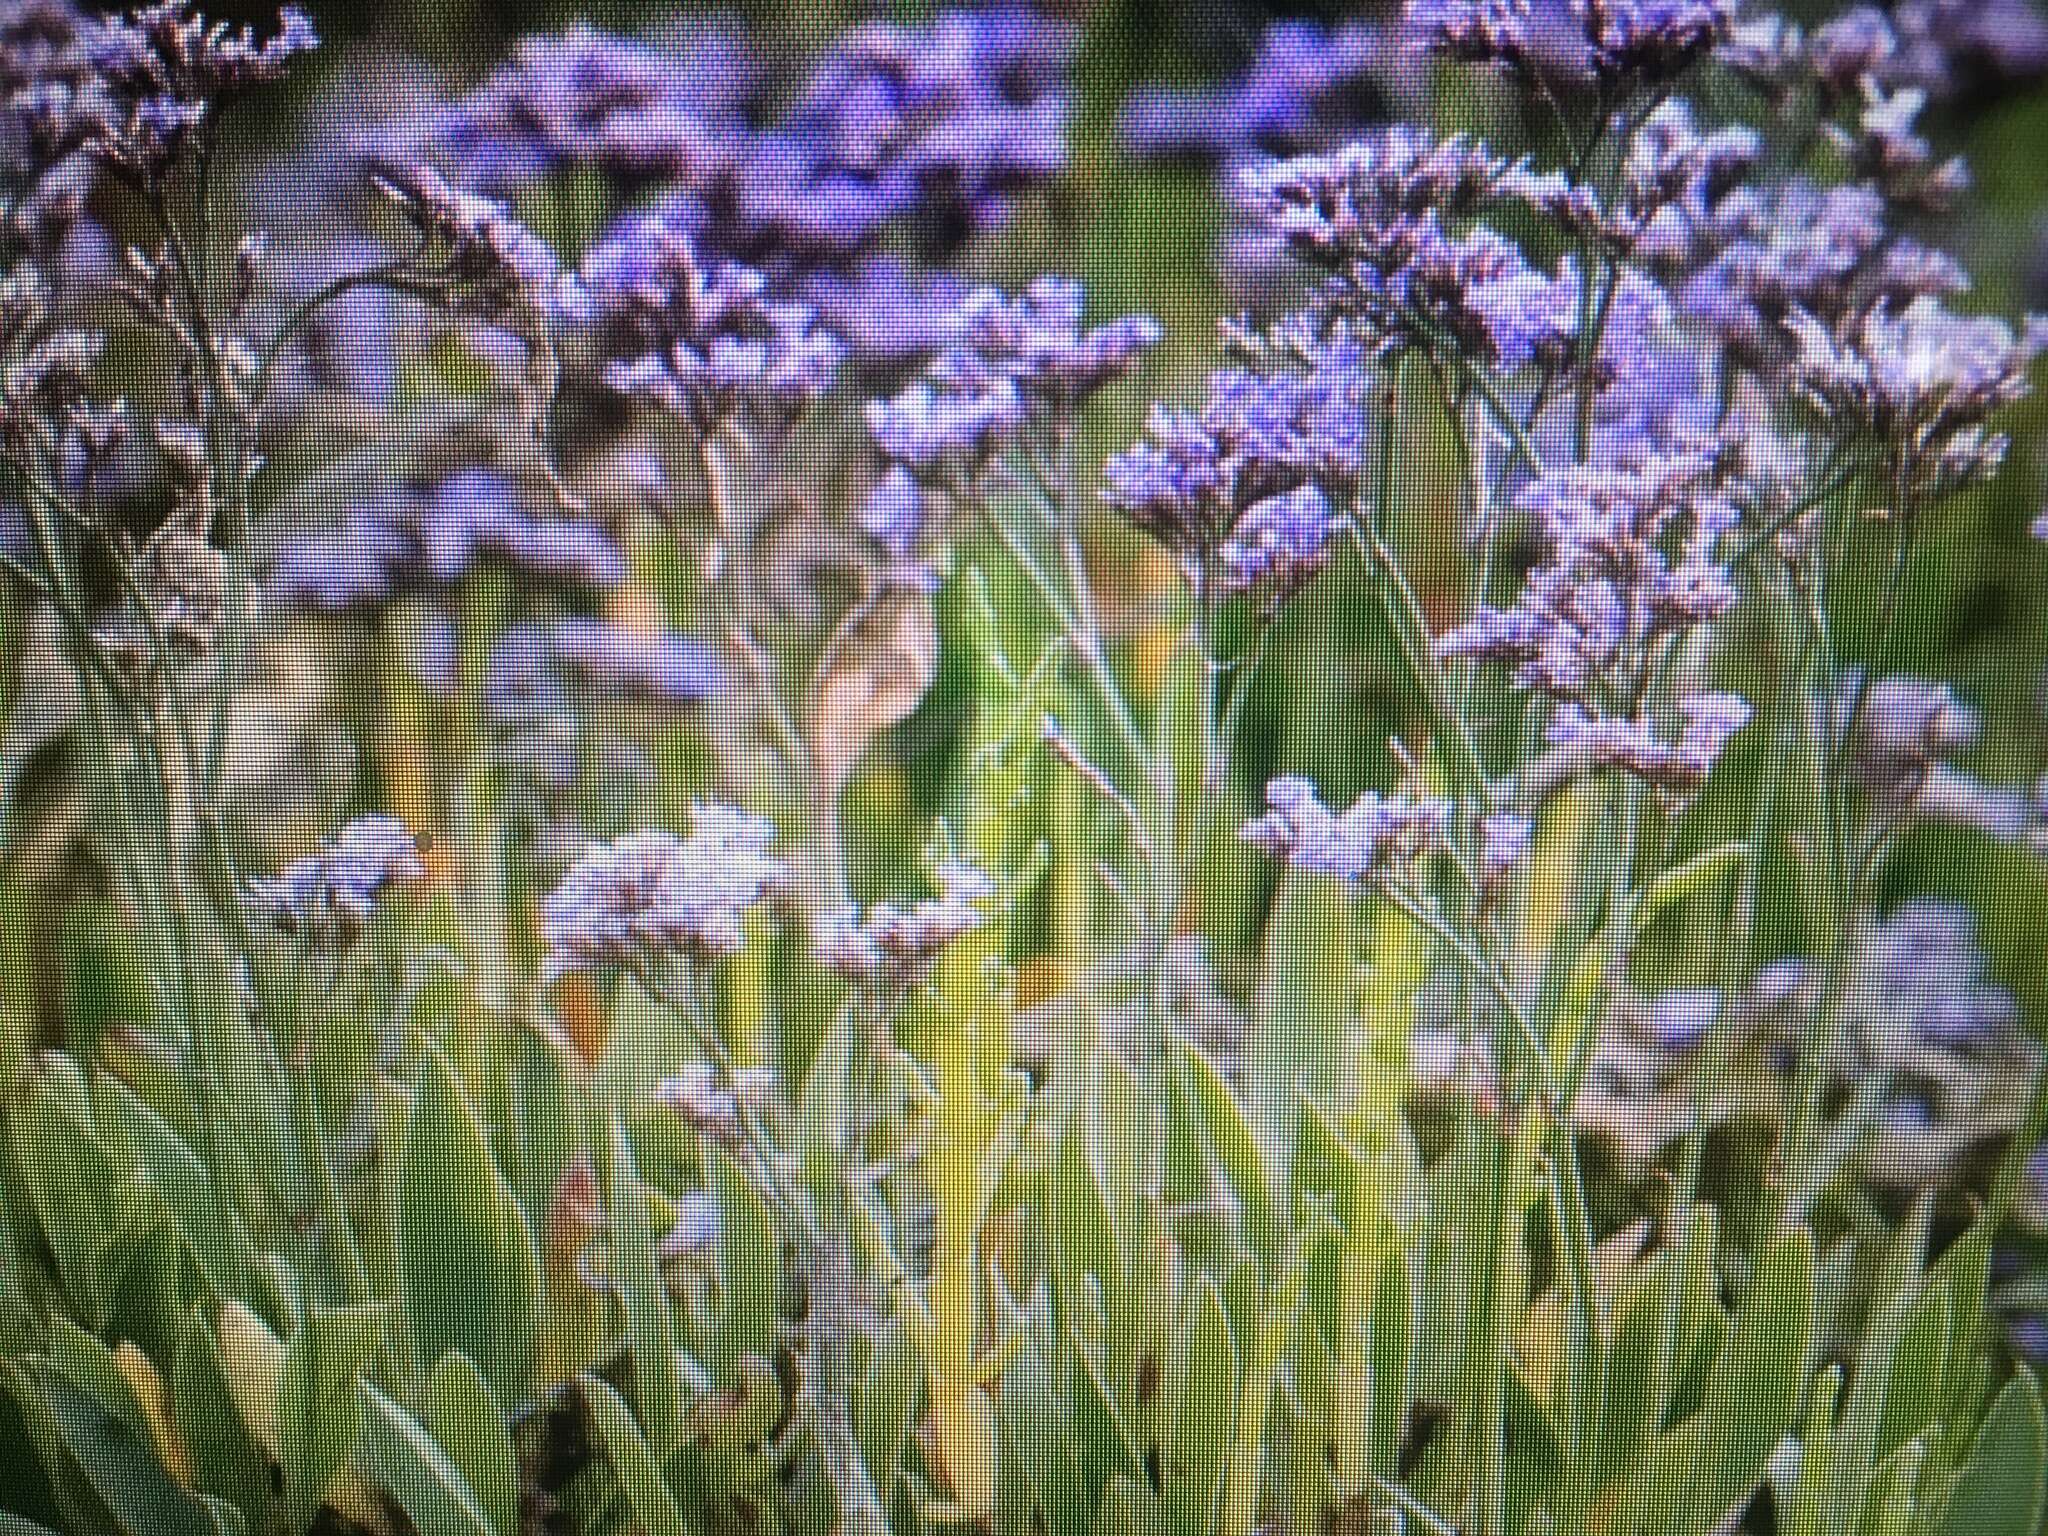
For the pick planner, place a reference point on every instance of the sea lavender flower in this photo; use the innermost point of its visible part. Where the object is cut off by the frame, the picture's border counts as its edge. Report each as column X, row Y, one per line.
column 328, row 896
column 654, row 894
column 660, row 668
column 712, row 1100
column 1563, row 43
column 1503, row 844
column 158, row 74
column 1609, row 585
column 403, row 540
column 891, row 941
column 582, row 98
column 1306, row 86
column 498, row 269
column 1378, row 834
column 699, row 337
column 1923, row 382
column 1257, row 436
column 1679, row 762
column 1018, row 370
column 1280, row 543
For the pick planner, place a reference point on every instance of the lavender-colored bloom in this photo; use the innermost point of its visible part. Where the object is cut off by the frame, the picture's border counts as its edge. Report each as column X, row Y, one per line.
column 1923, row 382
column 1279, row 544
column 713, row 1101
column 1306, row 85
column 1376, row 835
column 651, row 894
column 894, row 513
column 890, row 941
column 1608, row 586
column 948, row 431
column 1503, row 844
column 1576, row 42
column 887, row 316
column 1634, row 745
column 1680, row 1020
column 661, row 668
column 503, row 269
column 582, row 98
column 699, row 337
column 330, row 894
column 405, row 540
column 1257, row 436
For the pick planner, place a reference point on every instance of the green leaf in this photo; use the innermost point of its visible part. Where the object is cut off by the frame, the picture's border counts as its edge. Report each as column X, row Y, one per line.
column 318, row 1411
column 1206, row 1414
column 114, row 1465
column 887, row 1403
column 470, row 1271
column 82, row 1199
column 1303, row 1008
column 1686, row 880
column 650, row 1330
column 750, row 1257
column 180, row 1177
column 1129, row 1508
column 1233, row 1146
column 1757, row 1382
column 399, row 1456
column 2000, row 1490
column 1917, row 1372
column 226, row 1460
column 632, row 1461
column 468, row 1423
column 1039, row 1464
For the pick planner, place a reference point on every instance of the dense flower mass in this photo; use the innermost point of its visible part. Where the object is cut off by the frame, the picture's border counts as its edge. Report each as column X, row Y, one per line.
column 1564, row 43
column 655, row 894
column 682, row 477
column 330, row 894
column 1378, row 833
column 434, row 537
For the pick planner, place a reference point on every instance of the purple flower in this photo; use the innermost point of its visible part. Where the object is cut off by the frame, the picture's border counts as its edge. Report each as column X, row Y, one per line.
column 1923, row 382
column 1377, row 834
column 503, row 269
column 329, row 895
column 1609, row 584
column 1576, row 42
column 1257, row 436
column 650, row 894
column 893, row 942
column 582, row 98
column 1280, row 543
column 698, row 337
column 894, row 513
column 1634, row 745
column 660, row 668
column 401, row 541
column 1306, row 85
column 1503, row 844
column 1680, row 1020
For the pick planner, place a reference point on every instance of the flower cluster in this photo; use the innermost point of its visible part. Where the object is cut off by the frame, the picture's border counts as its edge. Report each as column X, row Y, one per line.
column 433, row 538
column 1018, row 366
column 327, row 896
column 1923, row 382
column 893, row 942
column 1379, row 833
column 655, row 894
column 700, row 338
column 135, row 90
column 1307, row 86
column 493, row 265
column 1560, row 44
column 1235, row 472
column 1631, row 559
